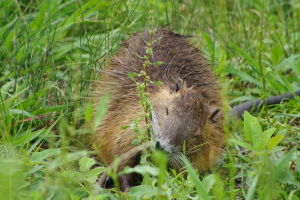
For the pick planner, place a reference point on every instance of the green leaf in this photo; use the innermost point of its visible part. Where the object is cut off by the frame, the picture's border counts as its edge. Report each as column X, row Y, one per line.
column 21, row 87
column 201, row 190
column 209, row 45
column 89, row 112
column 276, row 86
column 252, row 127
column 274, row 141
column 161, row 159
column 136, row 142
column 247, row 159
column 248, row 57
column 20, row 112
column 72, row 175
column 124, row 127
column 158, row 63
column 4, row 89
column 262, row 140
column 102, row 108
column 285, row 82
column 276, row 149
column 243, row 75
column 291, row 195
column 242, row 144
column 286, row 177
column 241, row 99
column 208, row 182
column 101, row 196
column 283, row 163
column 229, row 165
column 141, row 169
column 247, row 128
column 85, row 163
column 96, row 171
column 91, row 179
column 287, row 60
column 132, row 75
column 47, row 109
column 29, row 136
column 41, row 156
column 143, row 192
column 43, row 135
column 291, row 115
column 251, row 190
column 276, row 54
column 138, row 55
column 158, row 83
column 9, row 100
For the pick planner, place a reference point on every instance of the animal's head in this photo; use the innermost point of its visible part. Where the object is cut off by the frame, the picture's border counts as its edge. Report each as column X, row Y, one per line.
column 181, row 115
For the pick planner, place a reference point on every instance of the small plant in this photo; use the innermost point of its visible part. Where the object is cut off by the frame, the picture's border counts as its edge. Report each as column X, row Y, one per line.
column 142, row 89
column 258, row 140
column 266, row 166
column 263, row 73
column 144, row 135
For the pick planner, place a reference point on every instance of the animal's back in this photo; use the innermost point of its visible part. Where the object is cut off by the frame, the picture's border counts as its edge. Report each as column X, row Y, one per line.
column 179, row 59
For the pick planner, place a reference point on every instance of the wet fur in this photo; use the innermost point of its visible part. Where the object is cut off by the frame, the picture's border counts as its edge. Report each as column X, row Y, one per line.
column 190, row 91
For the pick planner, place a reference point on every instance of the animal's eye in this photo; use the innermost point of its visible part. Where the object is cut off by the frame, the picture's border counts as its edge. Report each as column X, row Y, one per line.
column 167, row 111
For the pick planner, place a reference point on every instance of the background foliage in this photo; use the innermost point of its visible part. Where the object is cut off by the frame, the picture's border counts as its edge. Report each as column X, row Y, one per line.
column 52, row 52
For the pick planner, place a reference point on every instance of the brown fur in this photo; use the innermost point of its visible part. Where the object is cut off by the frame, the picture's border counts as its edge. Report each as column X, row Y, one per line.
column 183, row 105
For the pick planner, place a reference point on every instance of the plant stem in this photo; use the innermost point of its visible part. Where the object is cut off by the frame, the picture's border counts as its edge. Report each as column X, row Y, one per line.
column 146, row 65
column 146, row 113
column 263, row 74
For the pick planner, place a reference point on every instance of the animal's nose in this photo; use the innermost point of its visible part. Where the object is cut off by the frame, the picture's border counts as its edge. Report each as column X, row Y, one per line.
column 158, row 146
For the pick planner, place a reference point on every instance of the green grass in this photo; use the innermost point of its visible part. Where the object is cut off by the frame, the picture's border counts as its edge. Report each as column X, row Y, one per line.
column 52, row 53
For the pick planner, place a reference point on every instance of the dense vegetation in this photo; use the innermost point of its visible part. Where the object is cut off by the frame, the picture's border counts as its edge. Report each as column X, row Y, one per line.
column 52, row 52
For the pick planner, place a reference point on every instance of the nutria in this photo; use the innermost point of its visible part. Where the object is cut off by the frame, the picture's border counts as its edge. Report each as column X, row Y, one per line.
column 187, row 107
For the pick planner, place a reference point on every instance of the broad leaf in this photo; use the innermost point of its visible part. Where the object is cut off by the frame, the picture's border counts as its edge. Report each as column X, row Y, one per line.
column 274, row 141
column 143, row 192
column 252, row 127
column 136, row 142
column 242, row 144
column 85, row 163
column 262, row 140
column 41, row 156
column 208, row 182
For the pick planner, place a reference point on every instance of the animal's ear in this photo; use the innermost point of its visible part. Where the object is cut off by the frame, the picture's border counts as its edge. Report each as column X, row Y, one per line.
column 176, row 85
column 213, row 114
